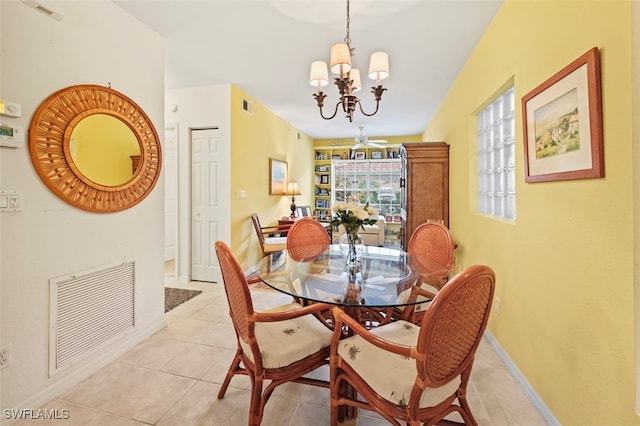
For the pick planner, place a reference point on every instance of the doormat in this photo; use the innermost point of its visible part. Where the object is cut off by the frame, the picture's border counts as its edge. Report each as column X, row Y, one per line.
column 177, row 296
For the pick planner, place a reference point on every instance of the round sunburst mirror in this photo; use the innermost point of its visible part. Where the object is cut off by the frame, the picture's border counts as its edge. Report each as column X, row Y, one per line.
column 95, row 148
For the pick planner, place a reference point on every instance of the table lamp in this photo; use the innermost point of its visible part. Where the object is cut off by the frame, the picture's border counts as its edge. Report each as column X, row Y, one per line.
column 293, row 190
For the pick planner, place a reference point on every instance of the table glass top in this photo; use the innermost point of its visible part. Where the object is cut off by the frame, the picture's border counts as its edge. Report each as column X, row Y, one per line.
column 383, row 278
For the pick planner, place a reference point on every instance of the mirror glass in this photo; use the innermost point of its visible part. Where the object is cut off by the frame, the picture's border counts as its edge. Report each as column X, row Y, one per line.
column 104, row 149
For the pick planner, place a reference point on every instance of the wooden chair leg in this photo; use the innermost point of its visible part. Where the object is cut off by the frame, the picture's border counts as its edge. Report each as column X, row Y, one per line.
column 233, row 369
column 334, row 393
column 465, row 410
column 255, row 411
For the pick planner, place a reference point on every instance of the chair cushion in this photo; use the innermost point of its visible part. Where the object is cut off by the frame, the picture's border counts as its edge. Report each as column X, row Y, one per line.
column 275, row 240
column 285, row 342
column 389, row 374
column 275, row 243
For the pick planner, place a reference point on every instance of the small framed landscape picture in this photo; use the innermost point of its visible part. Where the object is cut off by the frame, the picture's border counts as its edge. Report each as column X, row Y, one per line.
column 376, row 155
column 360, row 155
column 562, row 123
column 277, row 177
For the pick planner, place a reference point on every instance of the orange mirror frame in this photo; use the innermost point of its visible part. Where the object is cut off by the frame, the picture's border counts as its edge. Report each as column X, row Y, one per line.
column 49, row 146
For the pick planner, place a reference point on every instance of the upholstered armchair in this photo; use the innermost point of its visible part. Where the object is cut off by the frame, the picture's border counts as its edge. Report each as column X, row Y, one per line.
column 372, row 235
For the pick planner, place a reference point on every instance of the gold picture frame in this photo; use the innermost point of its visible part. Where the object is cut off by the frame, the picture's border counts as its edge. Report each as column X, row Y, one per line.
column 562, row 124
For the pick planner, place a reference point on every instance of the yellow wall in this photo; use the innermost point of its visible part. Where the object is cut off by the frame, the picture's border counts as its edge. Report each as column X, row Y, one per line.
column 254, row 139
column 565, row 266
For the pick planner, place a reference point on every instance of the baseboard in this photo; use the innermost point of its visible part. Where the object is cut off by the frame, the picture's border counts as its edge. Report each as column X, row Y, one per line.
column 528, row 390
column 72, row 378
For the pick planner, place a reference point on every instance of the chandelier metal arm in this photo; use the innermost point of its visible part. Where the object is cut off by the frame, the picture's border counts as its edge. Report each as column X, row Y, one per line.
column 364, row 113
column 348, row 100
column 377, row 93
column 319, row 97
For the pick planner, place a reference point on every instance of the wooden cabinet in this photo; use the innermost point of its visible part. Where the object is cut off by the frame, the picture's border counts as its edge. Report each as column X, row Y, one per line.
column 425, row 185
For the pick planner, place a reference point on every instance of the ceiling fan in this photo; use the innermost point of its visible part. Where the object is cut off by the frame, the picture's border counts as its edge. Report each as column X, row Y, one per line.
column 364, row 141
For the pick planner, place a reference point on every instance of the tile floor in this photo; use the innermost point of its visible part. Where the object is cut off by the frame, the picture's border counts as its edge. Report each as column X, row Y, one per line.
column 173, row 378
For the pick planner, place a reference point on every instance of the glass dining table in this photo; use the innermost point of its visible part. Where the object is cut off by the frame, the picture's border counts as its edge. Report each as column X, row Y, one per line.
column 382, row 279
column 376, row 291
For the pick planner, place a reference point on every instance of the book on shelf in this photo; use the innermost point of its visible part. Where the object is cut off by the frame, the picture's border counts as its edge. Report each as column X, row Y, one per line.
column 322, row 204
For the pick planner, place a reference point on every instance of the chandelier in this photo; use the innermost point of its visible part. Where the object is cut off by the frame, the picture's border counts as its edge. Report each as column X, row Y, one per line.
column 348, row 80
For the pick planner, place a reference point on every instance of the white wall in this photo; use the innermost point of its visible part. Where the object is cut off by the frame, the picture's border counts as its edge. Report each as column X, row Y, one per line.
column 95, row 43
column 197, row 107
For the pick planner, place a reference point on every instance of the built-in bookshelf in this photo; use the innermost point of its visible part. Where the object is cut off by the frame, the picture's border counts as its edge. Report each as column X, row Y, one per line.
column 325, row 156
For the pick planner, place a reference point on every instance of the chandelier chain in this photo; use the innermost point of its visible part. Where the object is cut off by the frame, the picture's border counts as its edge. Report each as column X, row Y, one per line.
column 347, row 38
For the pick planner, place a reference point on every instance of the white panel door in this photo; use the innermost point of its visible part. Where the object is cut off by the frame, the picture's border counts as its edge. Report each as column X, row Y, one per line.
column 170, row 167
column 205, row 204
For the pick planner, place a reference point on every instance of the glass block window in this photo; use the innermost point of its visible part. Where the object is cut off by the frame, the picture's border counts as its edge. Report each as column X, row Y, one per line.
column 496, row 157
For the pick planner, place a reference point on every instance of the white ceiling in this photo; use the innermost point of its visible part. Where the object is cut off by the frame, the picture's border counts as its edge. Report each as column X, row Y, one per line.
column 266, row 47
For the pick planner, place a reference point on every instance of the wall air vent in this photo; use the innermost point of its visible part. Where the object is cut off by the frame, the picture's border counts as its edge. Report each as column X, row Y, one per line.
column 247, row 106
column 49, row 8
column 89, row 311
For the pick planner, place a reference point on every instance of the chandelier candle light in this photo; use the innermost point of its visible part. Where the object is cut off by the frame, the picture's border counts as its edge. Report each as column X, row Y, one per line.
column 348, row 80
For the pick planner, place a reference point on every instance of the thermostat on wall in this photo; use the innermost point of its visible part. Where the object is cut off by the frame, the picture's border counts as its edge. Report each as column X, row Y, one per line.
column 11, row 136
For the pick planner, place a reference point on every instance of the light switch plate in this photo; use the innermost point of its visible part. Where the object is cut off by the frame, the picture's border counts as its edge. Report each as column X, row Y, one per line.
column 10, row 109
column 11, row 201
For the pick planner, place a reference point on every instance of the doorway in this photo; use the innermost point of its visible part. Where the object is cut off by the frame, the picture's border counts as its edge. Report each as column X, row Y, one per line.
column 209, row 217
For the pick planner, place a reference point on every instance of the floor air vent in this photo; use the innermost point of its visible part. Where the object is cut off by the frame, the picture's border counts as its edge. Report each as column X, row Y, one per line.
column 89, row 310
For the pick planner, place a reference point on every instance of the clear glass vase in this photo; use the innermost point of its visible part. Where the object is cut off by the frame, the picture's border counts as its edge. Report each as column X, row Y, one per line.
column 351, row 247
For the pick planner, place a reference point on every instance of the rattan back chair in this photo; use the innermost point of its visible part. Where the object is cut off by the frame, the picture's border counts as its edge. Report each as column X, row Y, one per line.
column 432, row 249
column 432, row 242
column 307, row 239
column 279, row 345
column 413, row 374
